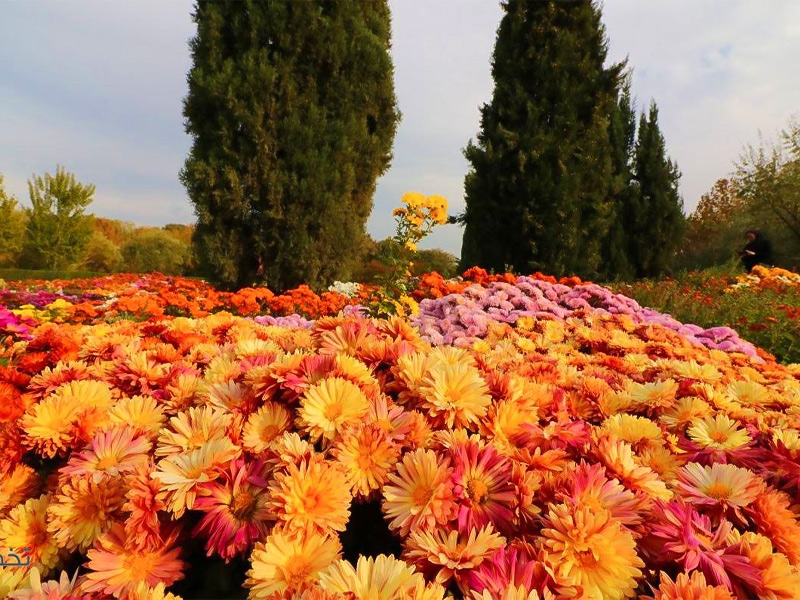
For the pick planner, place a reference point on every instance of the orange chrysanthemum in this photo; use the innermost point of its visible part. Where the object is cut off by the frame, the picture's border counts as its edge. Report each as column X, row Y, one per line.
column 142, row 525
column 116, row 568
column 455, row 395
column 368, row 456
column 315, row 494
column 419, row 495
column 590, row 549
column 25, row 526
column 265, row 426
column 16, row 486
column 692, row 587
column 771, row 514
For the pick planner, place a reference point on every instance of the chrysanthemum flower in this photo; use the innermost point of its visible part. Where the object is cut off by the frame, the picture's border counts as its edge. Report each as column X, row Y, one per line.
column 718, row 433
column 137, row 373
column 639, row 432
column 145, row 592
column 140, row 412
column 773, row 518
column 482, row 485
column 511, row 573
column 590, row 549
column 17, row 485
column 442, row 555
column 380, row 578
column 290, row 448
column 50, row 379
column 181, row 474
column 264, row 426
column 504, row 423
column 652, row 396
column 236, row 508
column 192, row 429
column 455, row 395
column 692, row 587
column 619, row 459
column 778, row 580
column 117, row 569
column 662, row 461
column 749, row 393
column 13, row 578
column 83, row 508
column 684, row 411
column 589, row 486
column 368, row 456
column 329, row 406
column 726, row 488
column 289, row 561
column 142, row 525
column 115, row 452
column 229, row 397
column 25, row 526
column 315, row 494
column 419, row 495
column 64, row 588
column 691, row 369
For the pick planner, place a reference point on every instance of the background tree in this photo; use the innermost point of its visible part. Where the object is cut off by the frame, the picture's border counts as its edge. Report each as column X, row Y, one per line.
column 538, row 193
column 12, row 227
column 616, row 262
column 155, row 250
column 102, row 255
column 656, row 222
column 292, row 112
column 57, row 230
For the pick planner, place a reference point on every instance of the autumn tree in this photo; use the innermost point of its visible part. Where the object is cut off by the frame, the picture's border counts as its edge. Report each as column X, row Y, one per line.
column 12, row 227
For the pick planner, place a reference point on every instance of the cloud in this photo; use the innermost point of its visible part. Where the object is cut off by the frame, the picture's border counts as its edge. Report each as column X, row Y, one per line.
column 97, row 86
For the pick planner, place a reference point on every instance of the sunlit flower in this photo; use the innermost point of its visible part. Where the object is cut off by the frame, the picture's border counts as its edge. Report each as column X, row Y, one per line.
column 718, row 433
column 140, row 412
column 655, row 395
column 16, row 486
column 264, row 426
column 455, row 395
column 778, row 580
column 773, row 518
column 181, row 474
column 115, row 452
column 589, row 486
column 331, row 405
column 236, row 508
column 192, row 429
column 25, row 526
column 63, row 588
column 289, row 561
column 142, row 525
column 639, row 432
column 725, row 487
column 684, row 411
column 367, row 455
column 619, row 459
column 145, row 592
column 419, row 494
column 692, row 587
column 315, row 494
column 380, row 578
column 83, row 508
column 442, row 555
column 590, row 549
column 116, row 568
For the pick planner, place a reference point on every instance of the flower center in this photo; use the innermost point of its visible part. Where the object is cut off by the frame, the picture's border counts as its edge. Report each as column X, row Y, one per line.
column 718, row 490
column 296, row 570
column 268, row 432
column 333, row 411
column 477, row 490
column 719, row 436
column 421, row 496
column 106, row 462
column 243, row 505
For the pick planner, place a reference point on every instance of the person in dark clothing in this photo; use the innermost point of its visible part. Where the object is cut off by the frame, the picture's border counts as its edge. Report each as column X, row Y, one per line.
column 757, row 251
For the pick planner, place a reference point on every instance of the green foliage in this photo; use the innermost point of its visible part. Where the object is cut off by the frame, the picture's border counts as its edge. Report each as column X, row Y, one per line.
column 538, row 194
column 57, row 230
column 117, row 231
column 437, row 260
column 45, row 275
column 12, row 227
column 292, row 112
column 655, row 225
column 155, row 250
column 102, row 255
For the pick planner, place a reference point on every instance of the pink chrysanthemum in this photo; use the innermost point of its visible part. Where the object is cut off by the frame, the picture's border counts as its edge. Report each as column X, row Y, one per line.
column 115, row 452
column 236, row 508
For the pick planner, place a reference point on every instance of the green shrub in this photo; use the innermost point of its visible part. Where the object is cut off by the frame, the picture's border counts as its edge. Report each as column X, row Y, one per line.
column 155, row 250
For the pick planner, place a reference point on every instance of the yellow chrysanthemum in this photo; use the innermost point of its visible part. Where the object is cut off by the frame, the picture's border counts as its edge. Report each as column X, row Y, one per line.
column 315, row 494
column 331, row 405
column 684, row 411
column 13, row 578
column 640, row 432
column 448, row 552
column 455, row 395
column 145, row 592
column 290, row 561
column 692, row 587
column 140, row 412
column 368, row 456
column 779, row 579
column 719, row 484
column 589, row 549
column 17, row 485
column 419, row 494
column 83, row 508
column 192, row 429
column 691, row 369
column 180, row 474
column 659, row 394
column 719, row 433
column 265, row 426
column 662, row 461
column 380, row 578
column 790, row 438
column 620, row 460
column 25, row 526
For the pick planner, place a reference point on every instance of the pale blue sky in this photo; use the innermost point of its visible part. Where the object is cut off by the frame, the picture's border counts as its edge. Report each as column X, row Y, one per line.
column 97, row 86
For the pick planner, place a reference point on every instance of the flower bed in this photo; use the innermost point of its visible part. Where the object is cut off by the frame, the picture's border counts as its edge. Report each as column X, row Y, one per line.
column 577, row 446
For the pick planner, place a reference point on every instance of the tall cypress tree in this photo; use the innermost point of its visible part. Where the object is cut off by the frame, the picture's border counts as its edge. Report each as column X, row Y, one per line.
column 538, row 193
column 622, row 136
column 292, row 112
column 656, row 221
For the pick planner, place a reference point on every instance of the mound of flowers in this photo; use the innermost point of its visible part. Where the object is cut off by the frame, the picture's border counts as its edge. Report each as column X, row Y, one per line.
column 576, row 447
column 767, row 277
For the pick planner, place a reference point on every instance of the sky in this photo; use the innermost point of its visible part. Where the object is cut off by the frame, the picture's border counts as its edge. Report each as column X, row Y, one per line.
column 97, row 86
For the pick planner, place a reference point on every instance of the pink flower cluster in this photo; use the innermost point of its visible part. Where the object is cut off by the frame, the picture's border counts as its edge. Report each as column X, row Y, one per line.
column 462, row 319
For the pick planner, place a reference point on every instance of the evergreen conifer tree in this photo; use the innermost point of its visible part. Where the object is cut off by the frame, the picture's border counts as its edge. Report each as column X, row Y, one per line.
column 538, row 193
column 292, row 112
column 656, row 221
